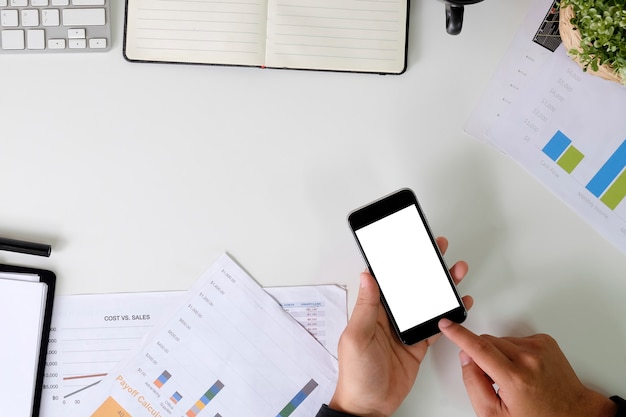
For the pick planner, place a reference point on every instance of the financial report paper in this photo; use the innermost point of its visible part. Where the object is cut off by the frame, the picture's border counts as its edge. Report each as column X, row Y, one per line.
column 228, row 347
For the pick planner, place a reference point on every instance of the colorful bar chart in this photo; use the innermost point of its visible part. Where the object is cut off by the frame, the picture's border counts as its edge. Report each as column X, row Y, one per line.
column 230, row 348
column 205, row 399
column 162, row 379
column 609, row 184
column 561, row 150
column 176, row 397
column 297, row 400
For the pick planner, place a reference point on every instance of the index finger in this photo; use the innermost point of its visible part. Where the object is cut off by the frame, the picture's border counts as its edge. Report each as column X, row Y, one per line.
column 442, row 242
column 484, row 353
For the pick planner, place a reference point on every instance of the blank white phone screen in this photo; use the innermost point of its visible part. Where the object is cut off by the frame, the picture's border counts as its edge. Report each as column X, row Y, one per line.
column 407, row 268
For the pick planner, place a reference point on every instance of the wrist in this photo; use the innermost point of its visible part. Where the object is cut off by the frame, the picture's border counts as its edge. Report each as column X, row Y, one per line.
column 599, row 405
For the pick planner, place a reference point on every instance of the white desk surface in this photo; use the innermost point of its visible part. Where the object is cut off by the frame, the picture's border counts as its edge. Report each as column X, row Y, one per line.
column 141, row 174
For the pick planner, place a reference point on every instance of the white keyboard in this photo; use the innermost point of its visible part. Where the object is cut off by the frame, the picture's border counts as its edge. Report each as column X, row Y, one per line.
column 35, row 26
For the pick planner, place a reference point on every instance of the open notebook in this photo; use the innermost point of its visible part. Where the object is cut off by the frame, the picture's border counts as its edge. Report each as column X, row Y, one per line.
column 334, row 35
column 26, row 297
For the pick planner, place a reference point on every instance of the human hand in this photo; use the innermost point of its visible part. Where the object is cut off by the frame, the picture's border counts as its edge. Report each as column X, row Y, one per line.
column 376, row 370
column 532, row 375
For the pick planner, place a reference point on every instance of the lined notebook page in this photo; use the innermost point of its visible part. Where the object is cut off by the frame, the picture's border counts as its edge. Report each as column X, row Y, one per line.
column 197, row 31
column 355, row 35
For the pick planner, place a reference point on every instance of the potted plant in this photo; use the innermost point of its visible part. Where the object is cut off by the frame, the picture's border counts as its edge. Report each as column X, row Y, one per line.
column 594, row 34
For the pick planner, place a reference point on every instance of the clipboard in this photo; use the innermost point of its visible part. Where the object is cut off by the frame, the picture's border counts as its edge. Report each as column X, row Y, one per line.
column 28, row 295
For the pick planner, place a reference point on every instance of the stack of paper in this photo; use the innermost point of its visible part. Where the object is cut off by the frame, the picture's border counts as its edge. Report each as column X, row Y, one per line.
column 225, row 347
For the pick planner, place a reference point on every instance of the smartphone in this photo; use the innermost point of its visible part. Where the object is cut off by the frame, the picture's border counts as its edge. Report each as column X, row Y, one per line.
column 401, row 253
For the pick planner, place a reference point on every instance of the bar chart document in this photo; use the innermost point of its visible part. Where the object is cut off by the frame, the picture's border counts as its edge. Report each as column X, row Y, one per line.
column 533, row 44
column 228, row 349
column 568, row 130
column 564, row 126
column 92, row 334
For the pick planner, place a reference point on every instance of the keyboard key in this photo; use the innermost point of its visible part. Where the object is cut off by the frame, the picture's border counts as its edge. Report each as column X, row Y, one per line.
column 39, row 3
column 19, row 3
column 30, row 17
column 13, row 39
column 50, row 17
column 56, row 43
column 88, row 2
column 83, row 17
column 35, row 39
column 77, row 43
column 76, row 33
column 9, row 18
column 97, row 43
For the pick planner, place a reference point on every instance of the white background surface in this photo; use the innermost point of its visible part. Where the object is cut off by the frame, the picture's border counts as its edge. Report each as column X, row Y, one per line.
column 140, row 175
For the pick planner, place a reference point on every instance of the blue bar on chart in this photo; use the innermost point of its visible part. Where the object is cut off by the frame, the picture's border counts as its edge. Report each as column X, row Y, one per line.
column 162, row 379
column 609, row 171
column 205, row 399
column 176, row 397
column 297, row 400
column 557, row 145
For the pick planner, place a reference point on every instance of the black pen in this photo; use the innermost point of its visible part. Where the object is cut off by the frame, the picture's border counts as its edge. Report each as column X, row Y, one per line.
column 21, row 246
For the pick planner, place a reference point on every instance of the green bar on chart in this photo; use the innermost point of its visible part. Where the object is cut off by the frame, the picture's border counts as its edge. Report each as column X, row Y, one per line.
column 570, row 159
column 297, row 400
column 616, row 192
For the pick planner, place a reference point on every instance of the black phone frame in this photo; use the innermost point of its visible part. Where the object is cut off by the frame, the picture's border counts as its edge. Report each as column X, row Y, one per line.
column 378, row 210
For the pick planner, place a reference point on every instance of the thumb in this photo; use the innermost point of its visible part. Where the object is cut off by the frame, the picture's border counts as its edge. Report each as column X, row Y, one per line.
column 365, row 312
column 479, row 387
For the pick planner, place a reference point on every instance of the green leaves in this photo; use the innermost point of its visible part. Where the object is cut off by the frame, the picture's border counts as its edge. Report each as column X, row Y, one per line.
column 602, row 26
